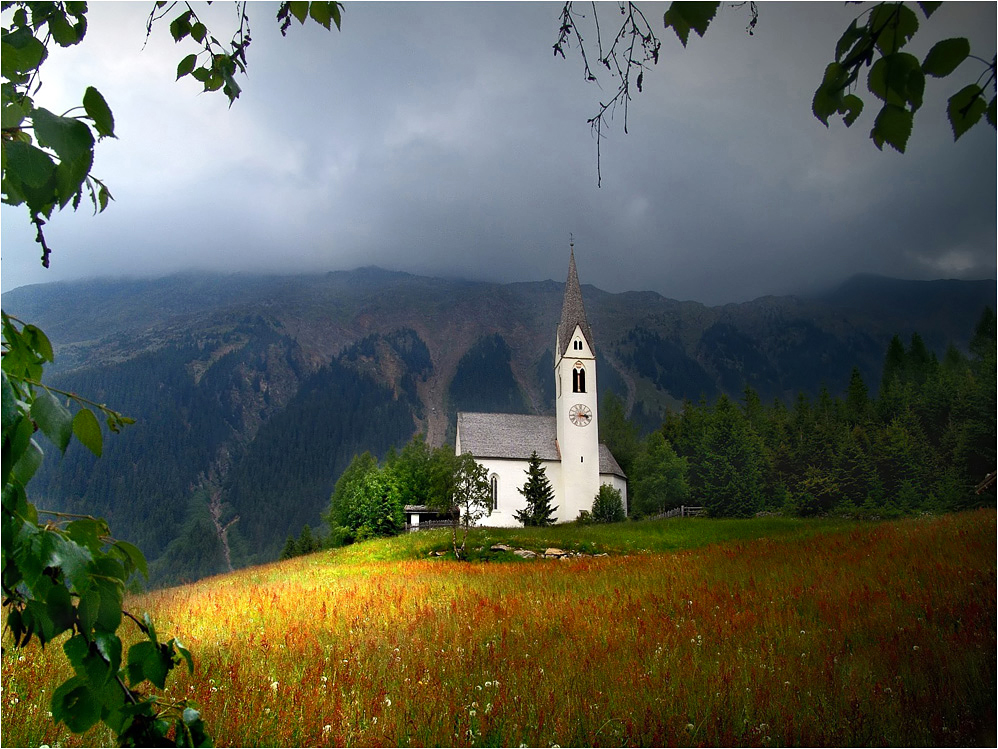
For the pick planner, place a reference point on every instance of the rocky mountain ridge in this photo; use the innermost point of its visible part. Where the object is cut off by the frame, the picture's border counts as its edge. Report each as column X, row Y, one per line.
column 254, row 392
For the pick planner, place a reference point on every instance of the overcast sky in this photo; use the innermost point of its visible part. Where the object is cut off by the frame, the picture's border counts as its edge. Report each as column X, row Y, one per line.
column 447, row 139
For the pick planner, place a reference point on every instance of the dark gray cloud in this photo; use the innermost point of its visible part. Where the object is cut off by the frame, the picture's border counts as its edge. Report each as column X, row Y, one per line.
column 447, row 139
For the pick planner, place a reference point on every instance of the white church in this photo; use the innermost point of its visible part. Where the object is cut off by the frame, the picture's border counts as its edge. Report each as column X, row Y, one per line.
column 567, row 443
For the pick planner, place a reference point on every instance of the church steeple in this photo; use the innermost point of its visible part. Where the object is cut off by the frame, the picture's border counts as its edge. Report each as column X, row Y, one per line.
column 576, row 417
column 573, row 312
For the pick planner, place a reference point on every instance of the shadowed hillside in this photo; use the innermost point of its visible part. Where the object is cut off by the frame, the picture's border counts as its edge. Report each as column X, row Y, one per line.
column 252, row 393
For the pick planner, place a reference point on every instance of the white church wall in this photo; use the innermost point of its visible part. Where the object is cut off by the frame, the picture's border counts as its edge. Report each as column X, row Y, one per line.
column 512, row 475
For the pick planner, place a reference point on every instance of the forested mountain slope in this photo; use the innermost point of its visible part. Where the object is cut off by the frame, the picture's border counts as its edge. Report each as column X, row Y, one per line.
column 252, row 393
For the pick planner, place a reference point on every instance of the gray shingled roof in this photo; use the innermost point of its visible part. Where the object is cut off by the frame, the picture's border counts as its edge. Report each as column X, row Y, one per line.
column 573, row 312
column 516, row 436
column 608, row 464
column 508, row 435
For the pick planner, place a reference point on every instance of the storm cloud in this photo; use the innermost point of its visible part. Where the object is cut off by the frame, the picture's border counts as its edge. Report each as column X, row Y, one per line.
column 447, row 139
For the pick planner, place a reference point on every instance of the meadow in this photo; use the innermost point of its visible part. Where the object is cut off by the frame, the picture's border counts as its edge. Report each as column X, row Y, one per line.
column 765, row 632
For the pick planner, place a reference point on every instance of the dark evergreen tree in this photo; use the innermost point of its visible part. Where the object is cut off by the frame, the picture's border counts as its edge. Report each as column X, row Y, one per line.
column 731, row 464
column 290, row 548
column 659, row 478
column 539, row 495
column 618, row 433
column 857, row 404
column 307, row 543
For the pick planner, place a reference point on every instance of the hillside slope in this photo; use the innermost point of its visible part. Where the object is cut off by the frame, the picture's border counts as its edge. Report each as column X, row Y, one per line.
column 252, row 393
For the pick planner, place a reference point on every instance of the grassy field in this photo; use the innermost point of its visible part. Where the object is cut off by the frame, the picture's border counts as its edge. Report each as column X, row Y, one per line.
column 693, row 632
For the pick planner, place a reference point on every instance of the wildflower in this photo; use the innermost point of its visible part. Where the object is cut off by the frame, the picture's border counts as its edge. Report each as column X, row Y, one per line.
column 689, row 727
column 274, row 685
column 327, row 728
column 472, row 714
column 388, row 702
column 374, row 719
column 324, row 679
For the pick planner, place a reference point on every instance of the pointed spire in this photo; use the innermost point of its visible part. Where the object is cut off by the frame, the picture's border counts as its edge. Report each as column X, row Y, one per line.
column 573, row 312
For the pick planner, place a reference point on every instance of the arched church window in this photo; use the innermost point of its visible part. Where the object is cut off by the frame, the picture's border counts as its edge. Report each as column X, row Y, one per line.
column 494, row 490
column 579, row 378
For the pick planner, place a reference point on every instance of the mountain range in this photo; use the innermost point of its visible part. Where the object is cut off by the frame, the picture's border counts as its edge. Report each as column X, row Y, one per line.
column 253, row 393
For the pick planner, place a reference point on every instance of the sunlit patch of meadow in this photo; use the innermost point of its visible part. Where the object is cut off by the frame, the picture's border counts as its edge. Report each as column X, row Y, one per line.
column 860, row 635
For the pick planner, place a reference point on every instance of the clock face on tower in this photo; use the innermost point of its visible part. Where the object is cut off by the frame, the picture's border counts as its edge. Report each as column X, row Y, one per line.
column 580, row 415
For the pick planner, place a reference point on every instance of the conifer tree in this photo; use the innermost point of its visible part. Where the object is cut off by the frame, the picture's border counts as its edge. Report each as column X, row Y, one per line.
column 659, row 477
column 539, row 495
column 617, row 432
column 306, row 542
column 731, row 464
column 857, row 398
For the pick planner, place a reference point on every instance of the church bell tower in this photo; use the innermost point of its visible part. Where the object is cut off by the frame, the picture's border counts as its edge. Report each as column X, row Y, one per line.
column 576, row 402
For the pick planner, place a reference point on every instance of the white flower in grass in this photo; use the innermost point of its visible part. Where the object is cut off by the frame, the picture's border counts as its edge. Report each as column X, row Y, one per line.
column 327, row 728
column 274, row 685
